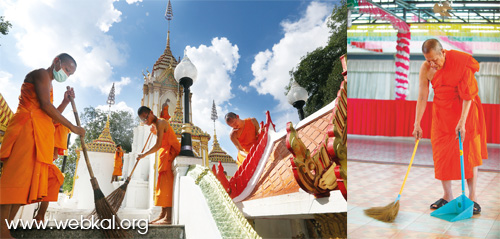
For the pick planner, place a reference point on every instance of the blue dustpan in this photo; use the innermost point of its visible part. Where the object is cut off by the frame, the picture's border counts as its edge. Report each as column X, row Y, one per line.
column 459, row 208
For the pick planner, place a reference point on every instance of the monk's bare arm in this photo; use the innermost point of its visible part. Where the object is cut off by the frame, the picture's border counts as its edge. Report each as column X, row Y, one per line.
column 235, row 141
column 463, row 118
column 42, row 83
column 160, row 128
column 423, row 94
column 257, row 127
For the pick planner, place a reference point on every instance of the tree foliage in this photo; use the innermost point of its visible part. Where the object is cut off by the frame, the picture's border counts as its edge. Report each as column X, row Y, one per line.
column 320, row 71
column 121, row 126
column 4, row 26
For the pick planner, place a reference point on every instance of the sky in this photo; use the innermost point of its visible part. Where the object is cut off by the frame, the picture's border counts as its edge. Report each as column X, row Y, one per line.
column 243, row 51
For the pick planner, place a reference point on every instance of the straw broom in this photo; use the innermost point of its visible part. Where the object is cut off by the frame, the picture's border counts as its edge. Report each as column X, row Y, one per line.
column 390, row 212
column 102, row 207
column 116, row 197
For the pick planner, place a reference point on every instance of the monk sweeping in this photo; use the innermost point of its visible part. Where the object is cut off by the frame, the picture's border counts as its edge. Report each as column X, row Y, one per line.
column 168, row 147
column 56, row 178
column 243, row 135
column 28, row 147
column 456, row 108
column 117, row 171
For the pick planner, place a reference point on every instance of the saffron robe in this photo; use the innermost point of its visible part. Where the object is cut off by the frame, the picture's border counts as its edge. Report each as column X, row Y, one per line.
column 117, row 171
column 56, row 177
column 247, row 139
column 170, row 148
column 27, row 151
column 164, row 113
column 453, row 84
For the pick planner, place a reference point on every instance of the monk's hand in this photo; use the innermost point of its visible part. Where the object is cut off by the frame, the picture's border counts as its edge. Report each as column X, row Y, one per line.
column 460, row 128
column 140, row 156
column 69, row 93
column 417, row 132
column 78, row 130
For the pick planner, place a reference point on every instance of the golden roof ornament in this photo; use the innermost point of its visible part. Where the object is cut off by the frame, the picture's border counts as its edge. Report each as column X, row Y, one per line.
column 104, row 143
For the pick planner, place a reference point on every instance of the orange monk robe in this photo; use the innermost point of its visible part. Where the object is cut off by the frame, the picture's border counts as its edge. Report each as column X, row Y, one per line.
column 247, row 139
column 170, row 148
column 56, row 178
column 118, row 163
column 27, row 151
column 452, row 84
column 164, row 113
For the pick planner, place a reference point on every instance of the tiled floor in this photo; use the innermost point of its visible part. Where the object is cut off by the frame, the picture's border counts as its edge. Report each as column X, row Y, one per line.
column 377, row 184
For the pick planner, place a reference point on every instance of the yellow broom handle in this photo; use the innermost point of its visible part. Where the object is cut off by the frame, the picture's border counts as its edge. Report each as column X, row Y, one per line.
column 409, row 166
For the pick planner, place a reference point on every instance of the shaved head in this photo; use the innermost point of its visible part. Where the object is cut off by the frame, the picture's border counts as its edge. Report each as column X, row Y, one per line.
column 431, row 44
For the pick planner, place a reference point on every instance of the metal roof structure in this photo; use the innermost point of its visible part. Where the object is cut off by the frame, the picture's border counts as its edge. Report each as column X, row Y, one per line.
column 422, row 11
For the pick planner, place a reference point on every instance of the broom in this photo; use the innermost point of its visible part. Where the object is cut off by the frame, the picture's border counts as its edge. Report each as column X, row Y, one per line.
column 116, row 197
column 102, row 207
column 390, row 212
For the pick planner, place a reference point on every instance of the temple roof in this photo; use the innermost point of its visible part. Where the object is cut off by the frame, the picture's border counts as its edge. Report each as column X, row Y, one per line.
column 217, row 154
column 104, row 143
column 277, row 177
column 165, row 61
column 5, row 113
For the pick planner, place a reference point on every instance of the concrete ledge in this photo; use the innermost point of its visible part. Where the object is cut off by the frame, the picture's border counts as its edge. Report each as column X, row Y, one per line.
column 170, row 231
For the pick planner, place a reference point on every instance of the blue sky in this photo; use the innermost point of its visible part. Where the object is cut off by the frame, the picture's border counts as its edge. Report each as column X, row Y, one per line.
column 243, row 51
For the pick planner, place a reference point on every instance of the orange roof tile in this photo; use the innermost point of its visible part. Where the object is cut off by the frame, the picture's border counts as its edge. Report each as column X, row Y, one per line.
column 277, row 177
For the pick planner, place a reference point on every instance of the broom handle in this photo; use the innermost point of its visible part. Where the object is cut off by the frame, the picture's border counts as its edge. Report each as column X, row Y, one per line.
column 82, row 140
column 137, row 161
column 408, row 171
column 461, row 162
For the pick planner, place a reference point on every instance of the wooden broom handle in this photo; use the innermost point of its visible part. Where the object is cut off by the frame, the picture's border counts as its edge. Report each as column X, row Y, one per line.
column 82, row 140
column 137, row 161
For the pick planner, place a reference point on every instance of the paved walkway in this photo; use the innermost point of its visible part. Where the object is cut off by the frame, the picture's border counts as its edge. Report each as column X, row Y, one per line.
column 372, row 184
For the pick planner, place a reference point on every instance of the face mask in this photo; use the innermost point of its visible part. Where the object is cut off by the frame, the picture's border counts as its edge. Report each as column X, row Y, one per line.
column 59, row 75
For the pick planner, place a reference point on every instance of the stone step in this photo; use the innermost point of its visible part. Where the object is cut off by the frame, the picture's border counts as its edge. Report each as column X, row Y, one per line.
column 152, row 231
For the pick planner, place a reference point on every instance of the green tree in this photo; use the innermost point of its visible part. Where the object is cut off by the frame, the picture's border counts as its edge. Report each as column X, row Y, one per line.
column 320, row 71
column 121, row 126
column 4, row 26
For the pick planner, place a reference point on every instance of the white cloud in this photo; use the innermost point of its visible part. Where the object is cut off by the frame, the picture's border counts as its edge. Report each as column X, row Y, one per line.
column 120, row 106
column 133, row 1
column 9, row 89
column 215, row 65
column 244, row 88
column 82, row 34
column 271, row 67
column 118, row 86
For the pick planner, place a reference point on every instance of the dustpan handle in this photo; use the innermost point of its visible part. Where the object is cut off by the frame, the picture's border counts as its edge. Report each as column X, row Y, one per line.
column 461, row 163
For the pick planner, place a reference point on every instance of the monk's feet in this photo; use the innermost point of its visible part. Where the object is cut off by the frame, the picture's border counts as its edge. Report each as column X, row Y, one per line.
column 157, row 219
column 163, row 221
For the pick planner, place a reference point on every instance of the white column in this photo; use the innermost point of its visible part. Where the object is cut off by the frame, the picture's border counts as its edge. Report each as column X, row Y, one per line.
column 180, row 165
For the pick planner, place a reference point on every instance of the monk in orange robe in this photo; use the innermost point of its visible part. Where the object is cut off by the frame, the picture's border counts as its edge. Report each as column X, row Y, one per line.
column 164, row 111
column 117, row 171
column 456, row 109
column 244, row 134
column 56, row 178
column 27, row 149
column 168, row 148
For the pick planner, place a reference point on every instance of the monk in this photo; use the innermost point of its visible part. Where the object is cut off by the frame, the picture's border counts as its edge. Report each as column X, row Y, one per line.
column 56, row 177
column 168, row 148
column 118, row 163
column 456, row 109
column 27, row 149
column 164, row 110
column 244, row 134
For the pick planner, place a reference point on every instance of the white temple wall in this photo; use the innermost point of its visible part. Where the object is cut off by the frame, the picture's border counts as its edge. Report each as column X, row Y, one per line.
column 102, row 166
